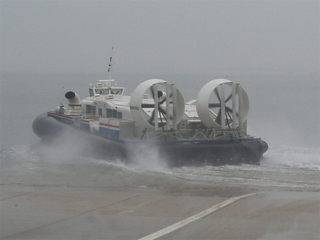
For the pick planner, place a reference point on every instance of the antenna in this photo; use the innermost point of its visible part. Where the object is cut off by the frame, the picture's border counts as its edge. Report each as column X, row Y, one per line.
column 110, row 65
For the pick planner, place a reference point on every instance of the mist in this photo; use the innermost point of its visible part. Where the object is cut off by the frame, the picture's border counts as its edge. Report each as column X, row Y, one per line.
column 271, row 48
column 156, row 37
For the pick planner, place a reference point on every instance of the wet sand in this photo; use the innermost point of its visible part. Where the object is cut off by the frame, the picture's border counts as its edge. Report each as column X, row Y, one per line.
column 77, row 212
column 46, row 195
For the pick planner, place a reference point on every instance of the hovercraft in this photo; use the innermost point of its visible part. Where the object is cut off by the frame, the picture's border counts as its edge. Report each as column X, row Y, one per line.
column 210, row 130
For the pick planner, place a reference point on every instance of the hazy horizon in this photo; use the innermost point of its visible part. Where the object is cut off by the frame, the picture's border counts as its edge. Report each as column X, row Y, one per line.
column 160, row 37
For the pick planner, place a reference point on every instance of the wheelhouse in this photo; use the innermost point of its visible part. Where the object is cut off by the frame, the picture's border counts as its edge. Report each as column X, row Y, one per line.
column 104, row 87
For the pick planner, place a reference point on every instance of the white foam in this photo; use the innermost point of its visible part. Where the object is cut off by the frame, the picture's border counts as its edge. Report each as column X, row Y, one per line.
column 289, row 167
column 293, row 157
column 148, row 157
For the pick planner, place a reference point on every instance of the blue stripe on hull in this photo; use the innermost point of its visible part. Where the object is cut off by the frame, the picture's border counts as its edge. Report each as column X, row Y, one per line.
column 108, row 132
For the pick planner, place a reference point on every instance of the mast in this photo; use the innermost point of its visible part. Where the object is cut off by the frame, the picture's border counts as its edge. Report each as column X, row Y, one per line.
column 110, row 65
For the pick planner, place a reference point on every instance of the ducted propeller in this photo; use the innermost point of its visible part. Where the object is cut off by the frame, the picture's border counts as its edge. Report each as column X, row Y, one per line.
column 158, row 107
column 157, row 104
column 222, row 104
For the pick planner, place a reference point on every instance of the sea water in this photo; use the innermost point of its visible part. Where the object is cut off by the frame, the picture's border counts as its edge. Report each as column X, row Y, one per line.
column 284, row 112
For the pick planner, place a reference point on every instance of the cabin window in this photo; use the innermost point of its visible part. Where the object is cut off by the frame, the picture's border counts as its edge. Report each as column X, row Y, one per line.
column 111, row 113
column 91, row 92
column 114, row 113
column 91, row 110
column 100, row 112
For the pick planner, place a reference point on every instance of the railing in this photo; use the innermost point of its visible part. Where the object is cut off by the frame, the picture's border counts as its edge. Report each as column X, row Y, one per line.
column 191, row 134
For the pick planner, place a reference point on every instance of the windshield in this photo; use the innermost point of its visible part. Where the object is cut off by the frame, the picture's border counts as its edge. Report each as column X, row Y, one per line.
column 116, row 91
column 102, row 91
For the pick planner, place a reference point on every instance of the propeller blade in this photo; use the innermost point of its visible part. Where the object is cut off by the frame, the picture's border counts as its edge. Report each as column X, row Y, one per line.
column 217, row 94
column 152, row 118
column 152, row 92
column 162, row 111
column 218, row 118
column 162, row 124
column 214, row 105
column 230, row 110
column 228, row 98
column 228, row 118
column 163, row 100
column 147, row 105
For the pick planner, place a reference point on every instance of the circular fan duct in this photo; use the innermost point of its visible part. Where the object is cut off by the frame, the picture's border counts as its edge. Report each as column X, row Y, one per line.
column 156, row 103
column 222, row 103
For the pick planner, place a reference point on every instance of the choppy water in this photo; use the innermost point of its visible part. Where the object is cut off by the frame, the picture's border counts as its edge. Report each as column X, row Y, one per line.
column 278, row 114
column 285, row 168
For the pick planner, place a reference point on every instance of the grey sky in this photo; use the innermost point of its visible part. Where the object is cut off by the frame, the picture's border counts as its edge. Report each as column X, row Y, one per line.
column 176, row 37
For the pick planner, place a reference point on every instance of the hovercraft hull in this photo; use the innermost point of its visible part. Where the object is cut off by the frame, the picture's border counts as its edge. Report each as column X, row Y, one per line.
column 175, row 153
